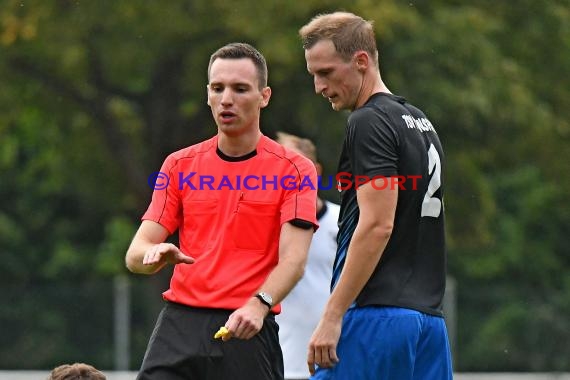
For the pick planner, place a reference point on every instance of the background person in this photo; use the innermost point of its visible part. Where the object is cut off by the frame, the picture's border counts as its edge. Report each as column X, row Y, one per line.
column 242, row 249
column 76, row 371
column 303, row 306
column 384, row 317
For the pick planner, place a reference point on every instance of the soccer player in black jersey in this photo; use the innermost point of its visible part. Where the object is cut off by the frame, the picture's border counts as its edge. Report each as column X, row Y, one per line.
column 384, row 318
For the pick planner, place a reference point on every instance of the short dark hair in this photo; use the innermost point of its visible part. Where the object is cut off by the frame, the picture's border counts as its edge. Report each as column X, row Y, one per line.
column 237, row 50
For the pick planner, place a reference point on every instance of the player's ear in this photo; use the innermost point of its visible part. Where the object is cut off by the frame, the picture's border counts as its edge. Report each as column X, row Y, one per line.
column 361, row 59
column 208, row 94
column 265, row 96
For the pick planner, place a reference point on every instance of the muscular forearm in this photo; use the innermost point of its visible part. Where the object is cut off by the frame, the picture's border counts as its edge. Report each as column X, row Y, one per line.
column 135, row 256
column 283, row 279
column 364, row 253
column 148, row 235
column 294, row 245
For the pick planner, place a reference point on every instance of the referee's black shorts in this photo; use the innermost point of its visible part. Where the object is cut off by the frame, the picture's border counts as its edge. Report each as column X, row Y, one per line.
column 182, row 347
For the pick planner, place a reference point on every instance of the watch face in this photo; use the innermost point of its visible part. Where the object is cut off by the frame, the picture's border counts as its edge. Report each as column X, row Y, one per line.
column 266, row 297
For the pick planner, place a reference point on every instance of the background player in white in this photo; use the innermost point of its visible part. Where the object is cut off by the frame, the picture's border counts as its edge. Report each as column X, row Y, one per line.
column 303, row 307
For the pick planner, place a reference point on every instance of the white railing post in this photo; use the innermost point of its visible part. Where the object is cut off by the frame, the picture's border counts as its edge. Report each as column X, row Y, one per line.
column 122, row 322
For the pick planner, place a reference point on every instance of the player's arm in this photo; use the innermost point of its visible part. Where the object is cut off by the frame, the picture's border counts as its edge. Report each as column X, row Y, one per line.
column 294, row 245
column 374, row 228
column 376, row 220
column 297, row 229
column 298, row 213
column 148, row 253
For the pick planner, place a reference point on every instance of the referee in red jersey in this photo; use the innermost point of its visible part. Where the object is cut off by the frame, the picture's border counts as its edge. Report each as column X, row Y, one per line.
column 245, row 223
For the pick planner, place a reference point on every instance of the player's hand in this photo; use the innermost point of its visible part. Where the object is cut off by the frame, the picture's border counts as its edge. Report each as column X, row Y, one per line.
column 247, row 321
column 323, row 343
column 165, row 253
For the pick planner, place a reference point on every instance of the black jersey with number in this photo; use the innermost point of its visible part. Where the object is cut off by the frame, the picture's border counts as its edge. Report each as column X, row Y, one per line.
column 392, row 140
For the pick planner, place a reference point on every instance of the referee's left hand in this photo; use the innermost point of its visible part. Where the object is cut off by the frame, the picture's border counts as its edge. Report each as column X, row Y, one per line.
column 246, row 321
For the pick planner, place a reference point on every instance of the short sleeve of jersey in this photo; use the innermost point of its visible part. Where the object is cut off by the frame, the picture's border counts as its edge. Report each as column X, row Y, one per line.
column 165, row 207
column 301, row 200
column 373, row 143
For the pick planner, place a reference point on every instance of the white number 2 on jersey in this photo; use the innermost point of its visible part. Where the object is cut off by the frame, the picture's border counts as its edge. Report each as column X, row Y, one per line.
column 431, row 206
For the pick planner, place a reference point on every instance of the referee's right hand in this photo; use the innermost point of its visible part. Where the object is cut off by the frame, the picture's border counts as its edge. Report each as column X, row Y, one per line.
column 166, row 253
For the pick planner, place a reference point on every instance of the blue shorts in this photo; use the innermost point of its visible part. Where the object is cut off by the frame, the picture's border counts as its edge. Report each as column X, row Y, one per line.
column 390, row 343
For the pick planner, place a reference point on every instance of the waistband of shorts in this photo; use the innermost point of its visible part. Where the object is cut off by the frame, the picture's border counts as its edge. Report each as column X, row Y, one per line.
column 389, row 311
column 207, row 310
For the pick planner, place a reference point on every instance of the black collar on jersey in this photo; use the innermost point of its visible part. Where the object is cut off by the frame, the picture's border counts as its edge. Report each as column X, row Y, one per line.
column 225, row 157
column 398, row 98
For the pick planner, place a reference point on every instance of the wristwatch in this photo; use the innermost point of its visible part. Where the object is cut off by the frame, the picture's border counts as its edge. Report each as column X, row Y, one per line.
column 265, row 299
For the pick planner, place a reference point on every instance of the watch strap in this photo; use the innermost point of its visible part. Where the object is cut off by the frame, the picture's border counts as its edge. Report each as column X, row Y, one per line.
column 263, row 300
